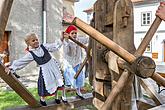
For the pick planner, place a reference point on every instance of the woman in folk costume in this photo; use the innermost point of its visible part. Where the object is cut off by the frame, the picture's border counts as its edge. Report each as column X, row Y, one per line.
column 50, row 78
column 73, row 54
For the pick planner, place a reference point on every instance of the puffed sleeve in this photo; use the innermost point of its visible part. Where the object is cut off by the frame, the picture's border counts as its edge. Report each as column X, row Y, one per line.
column 22, row 62
column 51, row 47
column 83, row 40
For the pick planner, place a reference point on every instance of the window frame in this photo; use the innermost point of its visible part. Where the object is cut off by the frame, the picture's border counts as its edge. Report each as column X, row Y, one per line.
column 142, row 18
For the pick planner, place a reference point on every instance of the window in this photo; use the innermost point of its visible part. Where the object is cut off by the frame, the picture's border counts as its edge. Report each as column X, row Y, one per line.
column 148, row 49
column 146, row 18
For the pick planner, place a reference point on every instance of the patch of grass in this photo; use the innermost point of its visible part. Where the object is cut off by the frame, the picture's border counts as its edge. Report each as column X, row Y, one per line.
column 10, row 99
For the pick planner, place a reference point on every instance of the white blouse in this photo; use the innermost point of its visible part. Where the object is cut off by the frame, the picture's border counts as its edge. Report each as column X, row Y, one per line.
column 73, row 52
column 22, row 62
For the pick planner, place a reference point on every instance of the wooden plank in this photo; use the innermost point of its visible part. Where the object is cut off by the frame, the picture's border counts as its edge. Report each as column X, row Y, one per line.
column 73, row 103
column 18, row 88
column 116, row 90
column 151, row 92
column 161, row 107
column 161, row 74
column 141, row 105
column 5, row 7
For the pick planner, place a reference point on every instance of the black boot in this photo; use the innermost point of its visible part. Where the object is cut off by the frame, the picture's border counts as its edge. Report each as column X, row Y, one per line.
column 43, row 103
column 79, row 96
column 58, row 101
column 64, row 101
column 16, row 75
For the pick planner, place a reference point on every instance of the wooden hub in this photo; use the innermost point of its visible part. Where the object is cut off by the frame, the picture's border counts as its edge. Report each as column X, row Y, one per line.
column 144, row 67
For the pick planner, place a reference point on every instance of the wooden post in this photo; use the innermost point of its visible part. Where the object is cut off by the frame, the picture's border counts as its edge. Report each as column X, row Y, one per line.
column 18, row 88
column 78, row 43
column 5, row 7
column 81, row 67
column 116, row 90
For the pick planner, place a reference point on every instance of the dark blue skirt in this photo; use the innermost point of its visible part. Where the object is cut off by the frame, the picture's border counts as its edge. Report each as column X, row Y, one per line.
column 41, row 86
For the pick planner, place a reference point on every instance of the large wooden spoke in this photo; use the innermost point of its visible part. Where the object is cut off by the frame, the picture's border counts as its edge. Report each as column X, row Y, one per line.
column 159, row 79
column 120, row 52
column 112, row 45
column 148, row 37
column 116, row 90
column 104, row 40
column 115, row 47
column 151, row 92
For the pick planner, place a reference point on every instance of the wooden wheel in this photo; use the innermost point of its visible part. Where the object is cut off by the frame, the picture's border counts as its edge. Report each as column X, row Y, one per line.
column 128, row 57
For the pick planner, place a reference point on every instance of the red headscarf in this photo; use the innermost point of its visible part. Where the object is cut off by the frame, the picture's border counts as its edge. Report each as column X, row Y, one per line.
column 71, row 28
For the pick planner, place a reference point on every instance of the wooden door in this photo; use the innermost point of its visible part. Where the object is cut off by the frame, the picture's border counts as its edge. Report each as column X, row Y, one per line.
column 4, row 45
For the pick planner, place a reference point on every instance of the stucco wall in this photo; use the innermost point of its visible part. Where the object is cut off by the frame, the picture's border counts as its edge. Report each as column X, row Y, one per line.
column 25, row 17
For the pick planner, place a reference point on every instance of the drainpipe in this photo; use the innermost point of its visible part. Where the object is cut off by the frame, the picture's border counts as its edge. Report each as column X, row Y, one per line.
column 44, row 2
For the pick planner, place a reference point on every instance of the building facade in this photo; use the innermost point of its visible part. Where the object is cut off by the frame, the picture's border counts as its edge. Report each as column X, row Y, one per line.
column 144, row 15
column 43, row 17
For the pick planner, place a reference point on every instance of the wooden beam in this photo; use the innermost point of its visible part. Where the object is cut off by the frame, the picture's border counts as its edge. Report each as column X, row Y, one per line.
column 116, row 90
column 141, row 105
column 113, row 46
column 104, row 40
column 5, row 7
column 151, row 92
column 161, row 107
column 17, row 86
column 73, row 103
column 159, row 79
column 81, row 67
column 78, row 43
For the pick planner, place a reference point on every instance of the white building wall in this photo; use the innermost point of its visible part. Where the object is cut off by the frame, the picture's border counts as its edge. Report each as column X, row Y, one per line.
column 140, row 31
column 25, row 17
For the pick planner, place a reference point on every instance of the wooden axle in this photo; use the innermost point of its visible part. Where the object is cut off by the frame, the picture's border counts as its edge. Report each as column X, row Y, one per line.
column 78, row 43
